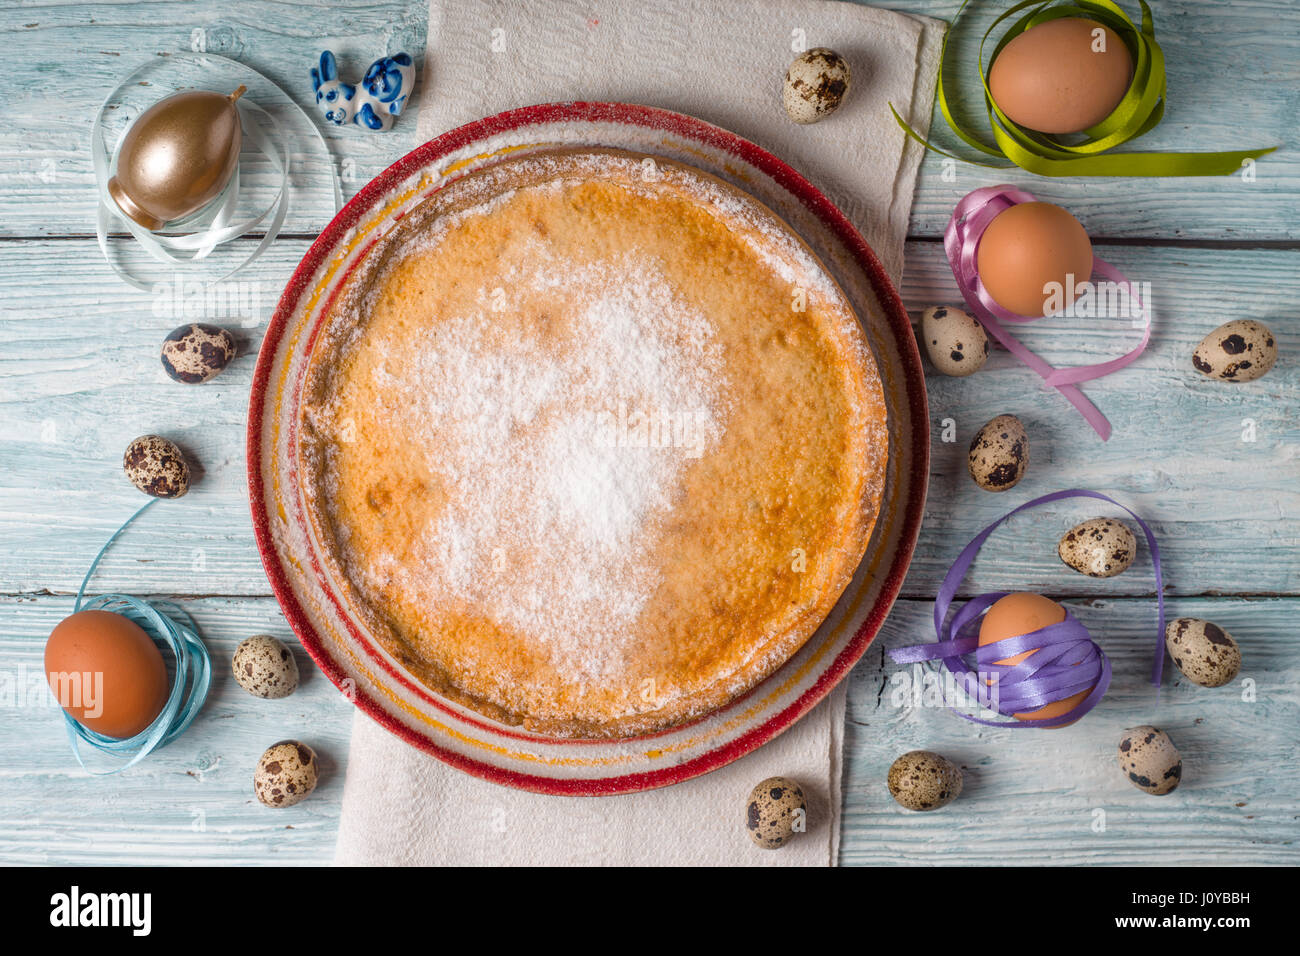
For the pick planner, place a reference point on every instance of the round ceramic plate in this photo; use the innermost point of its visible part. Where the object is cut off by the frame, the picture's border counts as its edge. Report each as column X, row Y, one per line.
column 336, row 637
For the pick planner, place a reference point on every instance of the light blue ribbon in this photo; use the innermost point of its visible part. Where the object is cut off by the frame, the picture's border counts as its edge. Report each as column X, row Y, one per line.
column 173, row 626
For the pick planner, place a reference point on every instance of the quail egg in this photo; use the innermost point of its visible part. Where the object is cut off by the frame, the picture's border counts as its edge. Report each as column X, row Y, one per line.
column 196, row 352
column 1203, row 651
column 157, row 467
column 1150, row 760
column 1237, row 351
column 956, row 343
column 265, row 667
column 1099, row 547
column 815, row 85
column 999, row 454
column 922, row 780
column 775, row 812
column 286, row 774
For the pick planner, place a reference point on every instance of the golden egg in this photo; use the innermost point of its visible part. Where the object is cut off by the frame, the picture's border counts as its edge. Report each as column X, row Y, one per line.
column 1062, row 76
column 1031, row 255
column 177, row 157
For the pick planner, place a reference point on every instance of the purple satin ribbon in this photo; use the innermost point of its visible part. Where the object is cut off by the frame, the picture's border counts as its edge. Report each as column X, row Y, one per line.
column 961, row 241
column 1065, row 659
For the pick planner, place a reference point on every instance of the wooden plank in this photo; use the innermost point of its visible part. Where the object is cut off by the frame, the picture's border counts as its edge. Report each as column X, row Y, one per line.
column 1030, row 796
column 191, row 802
column 46, row 184
column 46, row 178
column 1056, row 796
column 79, row 378
column 1212, row 466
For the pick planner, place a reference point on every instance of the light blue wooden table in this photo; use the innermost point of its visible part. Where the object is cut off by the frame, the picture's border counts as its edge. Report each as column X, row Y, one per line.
column 1215, row 468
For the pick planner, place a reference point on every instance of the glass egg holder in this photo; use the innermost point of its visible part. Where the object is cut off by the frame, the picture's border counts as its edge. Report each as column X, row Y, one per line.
column 203, row 245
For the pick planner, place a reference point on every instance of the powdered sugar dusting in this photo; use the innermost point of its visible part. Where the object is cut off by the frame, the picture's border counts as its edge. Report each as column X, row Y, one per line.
column 554, row 493
column 559, row 451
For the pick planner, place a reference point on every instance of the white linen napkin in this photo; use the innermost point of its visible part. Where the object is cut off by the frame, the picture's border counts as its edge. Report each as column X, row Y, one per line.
column 719, row 60
column 403, row 807
column 722, row 61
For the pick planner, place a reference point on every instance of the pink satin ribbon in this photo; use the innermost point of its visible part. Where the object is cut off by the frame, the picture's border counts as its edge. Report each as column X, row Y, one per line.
column 961, row 242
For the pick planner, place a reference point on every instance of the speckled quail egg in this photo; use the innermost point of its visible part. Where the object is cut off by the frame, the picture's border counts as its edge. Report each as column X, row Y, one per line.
column 1203, row 651
column 196, row 352
column 1150, row 760
column 955, row 342
column 157, row 467
column 923, row 780
column 1237, row 351
column 815, row 85
column 775, row 812
column 265, row 667
column 286, row 774
column 999, row 454
column 1099, row 547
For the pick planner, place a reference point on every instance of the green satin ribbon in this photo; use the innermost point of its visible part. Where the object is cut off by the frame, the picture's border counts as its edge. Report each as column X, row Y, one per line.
column 1137, row 113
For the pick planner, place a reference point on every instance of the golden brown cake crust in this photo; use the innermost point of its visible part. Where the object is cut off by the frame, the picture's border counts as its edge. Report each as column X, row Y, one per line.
column 592, row 442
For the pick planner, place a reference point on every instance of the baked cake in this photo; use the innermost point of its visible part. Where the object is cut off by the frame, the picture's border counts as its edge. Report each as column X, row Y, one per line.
column 591, row 442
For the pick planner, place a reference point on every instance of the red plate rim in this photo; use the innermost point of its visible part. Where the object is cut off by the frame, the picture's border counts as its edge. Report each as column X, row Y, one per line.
column 788, row 178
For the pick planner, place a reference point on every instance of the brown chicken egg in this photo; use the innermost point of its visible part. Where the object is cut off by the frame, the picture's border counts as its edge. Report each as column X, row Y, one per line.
column 106, row 672
column 1031, row 256
column 1062, row 76
column 1022, row 613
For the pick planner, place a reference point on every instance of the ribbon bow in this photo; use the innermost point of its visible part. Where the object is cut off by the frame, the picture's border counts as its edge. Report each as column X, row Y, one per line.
column 1063, row 659
column 961, row 241
column 1138, row 112
column 192, row 673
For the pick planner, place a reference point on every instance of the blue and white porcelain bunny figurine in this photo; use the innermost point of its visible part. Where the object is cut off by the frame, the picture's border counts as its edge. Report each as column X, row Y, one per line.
column 379, row 99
